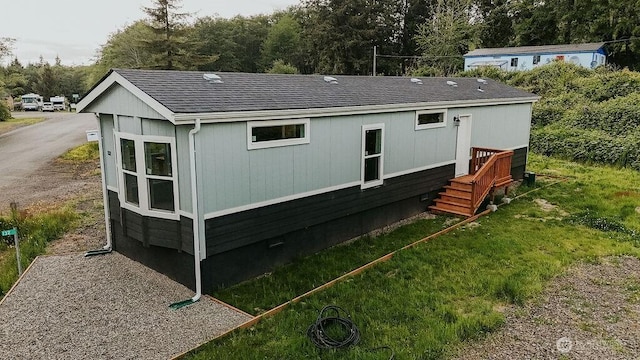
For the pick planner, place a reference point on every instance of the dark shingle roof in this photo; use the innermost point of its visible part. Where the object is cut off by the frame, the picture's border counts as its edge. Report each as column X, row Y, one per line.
column 543, row 49
column 188, row 92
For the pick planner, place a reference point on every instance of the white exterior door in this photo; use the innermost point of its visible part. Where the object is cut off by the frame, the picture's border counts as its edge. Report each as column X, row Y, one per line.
column 463, row 146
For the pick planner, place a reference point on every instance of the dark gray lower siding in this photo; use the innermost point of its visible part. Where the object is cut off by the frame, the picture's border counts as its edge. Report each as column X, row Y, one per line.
column 249, row 243
column 246, row 244
column 163, row 245
column 519, row 163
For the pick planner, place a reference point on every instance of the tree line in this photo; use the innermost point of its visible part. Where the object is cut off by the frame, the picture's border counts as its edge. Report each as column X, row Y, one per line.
column 426, row 37
column 338, row 36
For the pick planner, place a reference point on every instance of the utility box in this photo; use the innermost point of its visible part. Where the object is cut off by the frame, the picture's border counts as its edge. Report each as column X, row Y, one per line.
column 529, row 178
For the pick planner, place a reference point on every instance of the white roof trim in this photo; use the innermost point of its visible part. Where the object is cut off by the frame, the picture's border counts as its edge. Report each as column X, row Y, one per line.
column 237, row 116
column 113, row 78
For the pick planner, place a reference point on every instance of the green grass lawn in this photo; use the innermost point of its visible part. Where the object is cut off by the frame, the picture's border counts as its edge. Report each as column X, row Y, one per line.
column 12, row 124
column 429, row 300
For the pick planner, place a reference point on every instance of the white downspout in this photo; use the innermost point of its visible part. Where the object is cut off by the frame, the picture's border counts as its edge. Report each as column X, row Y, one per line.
column 105, row 198
column 194, row 206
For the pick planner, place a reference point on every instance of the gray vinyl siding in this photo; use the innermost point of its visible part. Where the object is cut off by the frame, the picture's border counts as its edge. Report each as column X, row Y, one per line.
column 501, row 127
column 109, row 150
column 234, row 176
column 129, row 125
column 157, row 128
column 184, row 167
column 118, row 100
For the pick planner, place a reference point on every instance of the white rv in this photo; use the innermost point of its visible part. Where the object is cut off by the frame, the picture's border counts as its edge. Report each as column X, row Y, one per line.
column 32, row 102
column 59, row 102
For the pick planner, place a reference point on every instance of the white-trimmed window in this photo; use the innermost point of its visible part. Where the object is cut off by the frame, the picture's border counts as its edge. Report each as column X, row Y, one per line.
column 429, row 119
column 274, row 133
column 372, row 155
column 147, row 172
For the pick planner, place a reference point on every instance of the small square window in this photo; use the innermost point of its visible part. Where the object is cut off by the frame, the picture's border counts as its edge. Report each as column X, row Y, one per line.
column 161, row 195
column 158, row 158
column 514, row 62
column 536, row 59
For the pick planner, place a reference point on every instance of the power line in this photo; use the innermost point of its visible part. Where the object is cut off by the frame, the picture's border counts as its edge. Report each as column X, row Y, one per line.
column 419, row 57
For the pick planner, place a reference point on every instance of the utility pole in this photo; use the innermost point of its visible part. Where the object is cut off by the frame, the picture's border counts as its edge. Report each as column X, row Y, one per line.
column 375, row 48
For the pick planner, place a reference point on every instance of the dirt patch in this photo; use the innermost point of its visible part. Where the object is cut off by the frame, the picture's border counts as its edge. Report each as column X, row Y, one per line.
column 621, row 194
column 591, row 312
column 548, row 207
column 56, row 184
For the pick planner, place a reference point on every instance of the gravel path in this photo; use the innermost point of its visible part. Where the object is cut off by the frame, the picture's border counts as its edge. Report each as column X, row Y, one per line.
column 104, row 307
column 591, row 312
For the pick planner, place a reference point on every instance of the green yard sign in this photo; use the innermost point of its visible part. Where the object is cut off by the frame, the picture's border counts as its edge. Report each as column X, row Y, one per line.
column 9, row 232
column 14, row 232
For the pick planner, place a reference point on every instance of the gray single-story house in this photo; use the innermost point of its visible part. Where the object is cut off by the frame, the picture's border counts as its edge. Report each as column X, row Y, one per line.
column 227, row 175
column 589, row 55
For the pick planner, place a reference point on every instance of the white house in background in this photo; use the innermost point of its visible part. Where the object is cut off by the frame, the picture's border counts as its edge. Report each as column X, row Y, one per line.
column 589, row 55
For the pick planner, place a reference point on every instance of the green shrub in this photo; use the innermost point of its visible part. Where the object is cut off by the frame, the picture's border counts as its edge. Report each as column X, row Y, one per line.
column 607, row 84
column 5, row 113
column 549, row 80
column 280, row 67
column 618, row 116
column 590, row 146
column 84, row 152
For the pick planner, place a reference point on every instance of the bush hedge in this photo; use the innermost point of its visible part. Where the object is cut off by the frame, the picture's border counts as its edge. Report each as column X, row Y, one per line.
column 584, row 115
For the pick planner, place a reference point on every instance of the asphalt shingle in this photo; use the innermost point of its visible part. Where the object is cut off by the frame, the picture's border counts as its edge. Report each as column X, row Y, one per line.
column 189, row 92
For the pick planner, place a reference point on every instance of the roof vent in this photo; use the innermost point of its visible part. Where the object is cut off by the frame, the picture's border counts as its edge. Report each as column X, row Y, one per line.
column 452, row 83
column 416, row 81
column 483, row 81
column 330, row 80
column 213, row 78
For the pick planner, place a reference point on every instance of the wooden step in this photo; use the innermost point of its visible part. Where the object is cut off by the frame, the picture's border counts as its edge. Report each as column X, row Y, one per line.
column 451, row 206
column 437, row 210
column 457, row 191
column 460, row 185
column 456, row 199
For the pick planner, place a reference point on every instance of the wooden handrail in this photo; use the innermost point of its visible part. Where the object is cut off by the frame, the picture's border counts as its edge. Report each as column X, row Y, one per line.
column 490, row 167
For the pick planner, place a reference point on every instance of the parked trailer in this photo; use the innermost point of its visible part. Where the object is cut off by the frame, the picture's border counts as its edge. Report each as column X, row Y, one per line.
column 59, row 102
column 32, row 102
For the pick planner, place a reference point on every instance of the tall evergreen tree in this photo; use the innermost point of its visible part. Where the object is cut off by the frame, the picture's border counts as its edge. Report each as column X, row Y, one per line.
column 169, row 26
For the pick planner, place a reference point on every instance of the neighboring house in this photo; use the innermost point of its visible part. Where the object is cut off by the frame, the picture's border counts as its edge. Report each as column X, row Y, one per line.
column 262, row 168
column 589, row 55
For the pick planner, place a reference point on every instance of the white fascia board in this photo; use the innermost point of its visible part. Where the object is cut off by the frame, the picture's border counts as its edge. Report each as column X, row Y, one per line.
column 261, row 115
column 113, row 78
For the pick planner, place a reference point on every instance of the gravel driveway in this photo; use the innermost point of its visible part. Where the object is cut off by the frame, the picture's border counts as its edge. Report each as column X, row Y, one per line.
column 590, row 313
column 104, row 307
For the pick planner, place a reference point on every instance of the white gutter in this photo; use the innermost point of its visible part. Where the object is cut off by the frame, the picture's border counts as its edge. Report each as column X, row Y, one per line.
column 194, row 206
column 257, row 115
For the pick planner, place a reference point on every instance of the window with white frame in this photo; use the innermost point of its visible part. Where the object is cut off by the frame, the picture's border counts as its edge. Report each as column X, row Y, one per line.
column 372, row 155
column 147, row 167
column 429, row 119
column 274, row 133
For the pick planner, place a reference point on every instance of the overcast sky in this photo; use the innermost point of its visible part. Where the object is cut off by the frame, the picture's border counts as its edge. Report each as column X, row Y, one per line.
column 75, row 29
